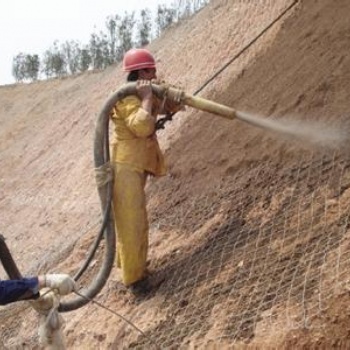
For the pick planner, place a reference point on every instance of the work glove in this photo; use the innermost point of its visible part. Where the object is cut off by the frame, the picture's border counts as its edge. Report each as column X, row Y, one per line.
column 63, row 283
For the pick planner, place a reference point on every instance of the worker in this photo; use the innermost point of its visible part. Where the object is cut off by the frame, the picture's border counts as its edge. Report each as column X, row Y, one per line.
column 136, row 155
column 28, row 288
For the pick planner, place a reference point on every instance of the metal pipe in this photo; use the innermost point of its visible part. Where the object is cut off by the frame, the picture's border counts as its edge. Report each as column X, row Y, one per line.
column 198, row 103
column 210, row 106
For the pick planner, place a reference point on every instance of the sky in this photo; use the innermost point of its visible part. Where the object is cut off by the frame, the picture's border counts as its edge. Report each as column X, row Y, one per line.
column 32, row 26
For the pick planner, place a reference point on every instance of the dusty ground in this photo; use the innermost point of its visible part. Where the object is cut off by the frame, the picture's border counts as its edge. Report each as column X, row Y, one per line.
column 249, row 230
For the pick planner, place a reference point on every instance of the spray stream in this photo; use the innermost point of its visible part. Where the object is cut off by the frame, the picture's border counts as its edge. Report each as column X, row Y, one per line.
column 313, row 133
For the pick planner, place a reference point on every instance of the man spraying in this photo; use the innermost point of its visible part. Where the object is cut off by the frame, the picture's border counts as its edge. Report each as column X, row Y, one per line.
column 135, row 155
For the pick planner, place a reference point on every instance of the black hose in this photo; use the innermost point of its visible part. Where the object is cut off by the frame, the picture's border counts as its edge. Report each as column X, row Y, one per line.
column 7, row 261
column 101, row 157
column 98, row 239
column 93, row 248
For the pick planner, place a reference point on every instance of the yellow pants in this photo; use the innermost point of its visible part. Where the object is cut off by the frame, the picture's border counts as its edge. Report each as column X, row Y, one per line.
column 130, row 214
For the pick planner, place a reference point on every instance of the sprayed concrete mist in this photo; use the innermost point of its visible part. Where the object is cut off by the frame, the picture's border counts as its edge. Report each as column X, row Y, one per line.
column 311, row 133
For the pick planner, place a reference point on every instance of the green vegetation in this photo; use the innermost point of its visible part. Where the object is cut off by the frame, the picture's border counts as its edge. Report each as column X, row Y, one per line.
column 106, row 47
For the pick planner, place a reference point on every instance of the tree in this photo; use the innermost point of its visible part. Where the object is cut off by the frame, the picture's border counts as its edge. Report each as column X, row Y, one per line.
column 144, row 28
column 70, row 51
column 111, row 25
column 125, row 32
column 32, row 67
column 18, row 67
column 164, row 18
column 54, row 62
column 84, row 59
column 25, row 67
column 186, row 8
column 97, row 51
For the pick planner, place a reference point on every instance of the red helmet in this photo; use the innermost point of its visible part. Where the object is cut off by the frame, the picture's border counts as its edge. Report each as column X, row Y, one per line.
column 136, row 59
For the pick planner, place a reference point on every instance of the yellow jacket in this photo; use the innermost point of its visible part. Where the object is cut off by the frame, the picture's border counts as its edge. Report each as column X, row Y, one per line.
column 135, row 141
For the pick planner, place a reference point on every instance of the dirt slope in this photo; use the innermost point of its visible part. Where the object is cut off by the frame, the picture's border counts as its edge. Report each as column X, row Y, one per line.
column 249, row 230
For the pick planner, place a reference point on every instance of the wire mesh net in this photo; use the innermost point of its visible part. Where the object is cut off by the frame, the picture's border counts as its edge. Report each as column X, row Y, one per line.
column 266, row 261
column 260, row 259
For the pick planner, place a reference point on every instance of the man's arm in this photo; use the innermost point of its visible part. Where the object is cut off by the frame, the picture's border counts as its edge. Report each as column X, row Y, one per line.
column 16, row 290
column 28, row 288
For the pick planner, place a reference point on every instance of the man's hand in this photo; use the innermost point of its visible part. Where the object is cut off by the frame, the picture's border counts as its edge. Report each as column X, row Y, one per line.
column 144, row 90
column 62, row 282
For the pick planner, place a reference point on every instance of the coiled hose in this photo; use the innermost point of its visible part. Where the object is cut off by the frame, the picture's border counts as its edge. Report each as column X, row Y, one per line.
column 101, row 158
column 107, row 231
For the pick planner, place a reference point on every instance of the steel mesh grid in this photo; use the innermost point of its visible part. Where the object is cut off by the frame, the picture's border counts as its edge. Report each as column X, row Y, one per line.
column 247, row 272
